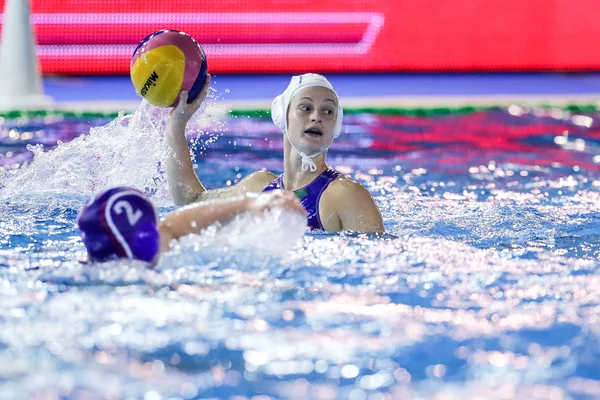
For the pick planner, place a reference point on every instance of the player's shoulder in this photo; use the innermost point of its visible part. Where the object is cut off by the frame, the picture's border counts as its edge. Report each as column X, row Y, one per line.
column 256, row 181
column 344, row 186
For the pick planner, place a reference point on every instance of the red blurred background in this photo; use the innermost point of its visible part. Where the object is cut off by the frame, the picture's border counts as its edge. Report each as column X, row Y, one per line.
column 79, row 37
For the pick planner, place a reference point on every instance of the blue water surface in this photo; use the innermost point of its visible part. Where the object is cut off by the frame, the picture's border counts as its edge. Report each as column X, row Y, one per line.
column 486, row 285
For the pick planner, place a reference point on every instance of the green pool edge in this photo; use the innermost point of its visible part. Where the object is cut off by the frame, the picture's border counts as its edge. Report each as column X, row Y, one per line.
column 264, row 113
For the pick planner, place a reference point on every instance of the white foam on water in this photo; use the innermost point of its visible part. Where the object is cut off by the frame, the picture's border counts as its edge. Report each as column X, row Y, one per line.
column 247, row 238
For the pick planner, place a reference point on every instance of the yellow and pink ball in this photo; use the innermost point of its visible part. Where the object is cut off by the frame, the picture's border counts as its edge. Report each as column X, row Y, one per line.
column 165, row 63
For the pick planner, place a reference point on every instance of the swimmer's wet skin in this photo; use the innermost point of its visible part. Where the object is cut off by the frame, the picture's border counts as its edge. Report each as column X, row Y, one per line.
column 310, row 117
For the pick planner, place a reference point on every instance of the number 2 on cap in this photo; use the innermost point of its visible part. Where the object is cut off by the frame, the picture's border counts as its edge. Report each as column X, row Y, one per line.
column 132, row 216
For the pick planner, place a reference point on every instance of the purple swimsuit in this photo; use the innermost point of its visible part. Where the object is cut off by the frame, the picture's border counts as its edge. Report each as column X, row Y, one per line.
column 309, row 195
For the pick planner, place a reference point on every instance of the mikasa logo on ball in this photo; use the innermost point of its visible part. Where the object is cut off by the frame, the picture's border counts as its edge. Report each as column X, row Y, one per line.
column 165, row 63
column 149, row 82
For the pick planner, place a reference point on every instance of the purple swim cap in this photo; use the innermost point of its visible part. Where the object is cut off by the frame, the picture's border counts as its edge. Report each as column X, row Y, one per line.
column 120, row 223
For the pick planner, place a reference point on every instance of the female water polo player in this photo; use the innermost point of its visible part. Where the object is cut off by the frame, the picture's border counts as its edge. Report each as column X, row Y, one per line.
column 310, row 116
column 122, row 222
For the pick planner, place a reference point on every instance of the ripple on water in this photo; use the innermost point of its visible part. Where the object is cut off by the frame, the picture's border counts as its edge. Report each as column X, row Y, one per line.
column 485, row 287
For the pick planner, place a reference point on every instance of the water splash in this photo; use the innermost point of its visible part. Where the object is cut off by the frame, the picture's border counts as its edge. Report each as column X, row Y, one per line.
column 129, row 151
column 247, row 241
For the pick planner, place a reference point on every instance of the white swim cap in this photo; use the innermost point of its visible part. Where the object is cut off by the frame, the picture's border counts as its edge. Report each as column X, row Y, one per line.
column 280, row 105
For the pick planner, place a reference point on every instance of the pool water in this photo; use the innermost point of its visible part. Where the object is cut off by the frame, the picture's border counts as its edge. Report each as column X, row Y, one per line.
column 485, row 287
